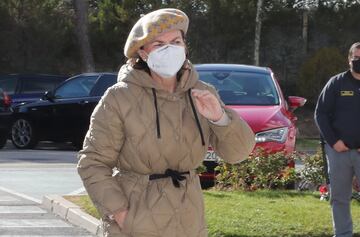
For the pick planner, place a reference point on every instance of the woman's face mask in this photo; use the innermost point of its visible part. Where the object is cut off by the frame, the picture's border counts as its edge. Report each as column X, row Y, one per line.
column 167, row 60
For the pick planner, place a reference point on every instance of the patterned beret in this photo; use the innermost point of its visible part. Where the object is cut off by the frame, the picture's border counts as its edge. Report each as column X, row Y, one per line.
column 150, row 26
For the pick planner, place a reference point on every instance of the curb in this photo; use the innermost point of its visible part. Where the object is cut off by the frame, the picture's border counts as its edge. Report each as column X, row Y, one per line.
column 72, row 213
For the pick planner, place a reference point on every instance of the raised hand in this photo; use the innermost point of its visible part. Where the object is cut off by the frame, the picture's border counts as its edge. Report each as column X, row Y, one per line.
column 207, row 104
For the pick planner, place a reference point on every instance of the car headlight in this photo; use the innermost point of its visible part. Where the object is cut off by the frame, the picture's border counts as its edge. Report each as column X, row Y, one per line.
column 274, row 135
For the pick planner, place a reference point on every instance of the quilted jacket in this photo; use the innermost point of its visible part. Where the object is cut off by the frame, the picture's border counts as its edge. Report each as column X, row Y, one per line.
column 140, row 130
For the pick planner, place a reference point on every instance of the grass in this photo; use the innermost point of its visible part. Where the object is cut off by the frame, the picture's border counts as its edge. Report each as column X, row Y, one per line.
column 262, row 213
column 85, row 203
column 311, row 144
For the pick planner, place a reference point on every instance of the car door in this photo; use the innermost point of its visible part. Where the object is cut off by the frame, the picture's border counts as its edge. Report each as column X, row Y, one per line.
column 72, row 107
column 103, row 82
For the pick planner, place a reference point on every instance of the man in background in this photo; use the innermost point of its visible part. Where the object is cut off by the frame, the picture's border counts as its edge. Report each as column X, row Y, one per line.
column 337, row 115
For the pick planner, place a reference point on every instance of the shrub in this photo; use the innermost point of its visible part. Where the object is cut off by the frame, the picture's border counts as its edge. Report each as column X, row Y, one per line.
column 317, row 70
column 313, row 171
column 259, row 171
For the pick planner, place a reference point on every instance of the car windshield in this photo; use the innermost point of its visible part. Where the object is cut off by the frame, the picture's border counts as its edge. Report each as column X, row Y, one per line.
column 242, row 88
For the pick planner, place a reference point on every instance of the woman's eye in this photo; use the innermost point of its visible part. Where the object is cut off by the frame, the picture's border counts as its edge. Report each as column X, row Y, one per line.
column 158, row 45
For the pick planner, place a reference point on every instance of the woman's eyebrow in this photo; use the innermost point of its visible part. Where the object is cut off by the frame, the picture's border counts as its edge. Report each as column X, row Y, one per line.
column 160, row 41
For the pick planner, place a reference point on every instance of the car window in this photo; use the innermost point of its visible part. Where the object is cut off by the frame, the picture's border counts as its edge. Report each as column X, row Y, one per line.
column 38, row 84
column 242, row 88
column 8, row 84
column 103, row 83
column 76, row 87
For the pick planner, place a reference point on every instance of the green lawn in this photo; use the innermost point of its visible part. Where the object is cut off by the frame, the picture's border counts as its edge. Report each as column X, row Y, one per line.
column 265, row 213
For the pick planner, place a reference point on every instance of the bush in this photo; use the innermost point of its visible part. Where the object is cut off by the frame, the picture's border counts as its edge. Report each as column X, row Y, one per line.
column 259, row 171
column 317, row 70
column 313, row 172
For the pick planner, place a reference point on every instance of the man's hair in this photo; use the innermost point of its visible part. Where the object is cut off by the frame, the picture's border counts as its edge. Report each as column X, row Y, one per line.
column 352, row 49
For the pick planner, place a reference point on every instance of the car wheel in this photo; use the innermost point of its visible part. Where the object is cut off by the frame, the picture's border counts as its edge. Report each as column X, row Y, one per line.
column 23, row 135
column 3, row 139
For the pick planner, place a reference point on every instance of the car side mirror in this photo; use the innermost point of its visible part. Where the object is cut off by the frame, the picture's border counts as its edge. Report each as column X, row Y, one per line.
column 295, row 102
column 48, row 95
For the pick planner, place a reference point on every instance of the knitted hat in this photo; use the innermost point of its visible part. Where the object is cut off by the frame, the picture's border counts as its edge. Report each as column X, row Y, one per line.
column 150, row 26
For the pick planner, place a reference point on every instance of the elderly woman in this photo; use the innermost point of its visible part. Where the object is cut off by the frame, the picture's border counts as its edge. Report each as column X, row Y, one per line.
column 155, row 126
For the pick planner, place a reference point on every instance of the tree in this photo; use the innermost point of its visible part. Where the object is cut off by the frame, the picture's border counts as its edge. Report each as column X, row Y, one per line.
column 37, row 37
column 258, row 22
column 306, row 6
column 81, row 10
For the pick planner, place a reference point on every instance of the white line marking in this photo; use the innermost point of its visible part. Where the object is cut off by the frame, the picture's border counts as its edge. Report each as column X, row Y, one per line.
column 43, row 235
column 21, row 209
column 38, row 223
column 8, row 199
column 20, row 195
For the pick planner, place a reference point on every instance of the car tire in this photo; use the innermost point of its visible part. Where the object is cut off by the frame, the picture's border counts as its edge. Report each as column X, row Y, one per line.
column 23, row 134
column 3, row 139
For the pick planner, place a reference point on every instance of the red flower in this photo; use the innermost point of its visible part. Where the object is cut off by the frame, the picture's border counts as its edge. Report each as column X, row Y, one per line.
column 323, row 189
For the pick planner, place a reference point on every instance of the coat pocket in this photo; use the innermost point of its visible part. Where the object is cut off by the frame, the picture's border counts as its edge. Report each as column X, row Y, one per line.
column 134, row 187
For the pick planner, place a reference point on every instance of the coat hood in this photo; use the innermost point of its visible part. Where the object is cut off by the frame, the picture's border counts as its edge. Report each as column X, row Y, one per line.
column 141, row 78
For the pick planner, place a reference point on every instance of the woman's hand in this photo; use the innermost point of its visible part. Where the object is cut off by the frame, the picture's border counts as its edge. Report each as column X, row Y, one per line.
column 207, row 104
column 120, row 218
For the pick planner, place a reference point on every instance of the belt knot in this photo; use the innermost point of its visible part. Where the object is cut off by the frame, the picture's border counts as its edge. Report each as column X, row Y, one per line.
column 175, row 176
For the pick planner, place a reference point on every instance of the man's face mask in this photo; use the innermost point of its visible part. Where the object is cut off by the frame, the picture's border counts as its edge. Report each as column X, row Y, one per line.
column 167, row 60
column 356, row 65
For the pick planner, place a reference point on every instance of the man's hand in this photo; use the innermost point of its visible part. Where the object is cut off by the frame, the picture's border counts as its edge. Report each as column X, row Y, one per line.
column 339, row 146
column 120, row 218
column 207, row 104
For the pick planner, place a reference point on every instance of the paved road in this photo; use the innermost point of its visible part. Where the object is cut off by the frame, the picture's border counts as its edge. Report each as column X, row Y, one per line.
column 50, row 169
column 20, row 216
column 25, row 177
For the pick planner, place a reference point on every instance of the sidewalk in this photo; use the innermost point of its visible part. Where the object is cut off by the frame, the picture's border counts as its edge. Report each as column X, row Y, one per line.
column 24, row 216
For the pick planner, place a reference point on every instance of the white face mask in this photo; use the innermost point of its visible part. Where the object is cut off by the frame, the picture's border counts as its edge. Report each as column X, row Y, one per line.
column 167, row 60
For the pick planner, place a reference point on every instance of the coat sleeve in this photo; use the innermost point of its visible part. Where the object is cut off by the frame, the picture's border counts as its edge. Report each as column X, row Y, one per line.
column 99, row 155
column 234, row 141
column 324, row 112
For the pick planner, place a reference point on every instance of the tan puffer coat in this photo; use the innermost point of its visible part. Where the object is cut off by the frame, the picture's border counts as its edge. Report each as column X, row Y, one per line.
column 123, row 134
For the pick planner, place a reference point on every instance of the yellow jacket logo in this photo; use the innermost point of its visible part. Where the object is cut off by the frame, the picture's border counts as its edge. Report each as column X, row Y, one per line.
column 347, row 93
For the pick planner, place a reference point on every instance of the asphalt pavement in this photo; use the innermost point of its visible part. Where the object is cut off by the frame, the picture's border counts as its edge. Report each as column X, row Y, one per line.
column 48, row 169
column 25, row 177
column 23, row 216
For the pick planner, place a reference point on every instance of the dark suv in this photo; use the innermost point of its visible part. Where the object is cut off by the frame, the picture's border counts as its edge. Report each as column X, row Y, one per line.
column 24, row 88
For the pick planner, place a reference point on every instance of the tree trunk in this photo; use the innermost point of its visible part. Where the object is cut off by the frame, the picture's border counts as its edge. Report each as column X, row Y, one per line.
column 81, row 12
column 305, row 29
column 258, row 22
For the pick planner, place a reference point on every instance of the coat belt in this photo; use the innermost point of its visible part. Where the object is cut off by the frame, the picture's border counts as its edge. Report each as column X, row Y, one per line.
column 175, row 175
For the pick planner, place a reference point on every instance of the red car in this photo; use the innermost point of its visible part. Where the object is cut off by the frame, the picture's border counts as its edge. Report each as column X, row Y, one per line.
column 254, row 93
